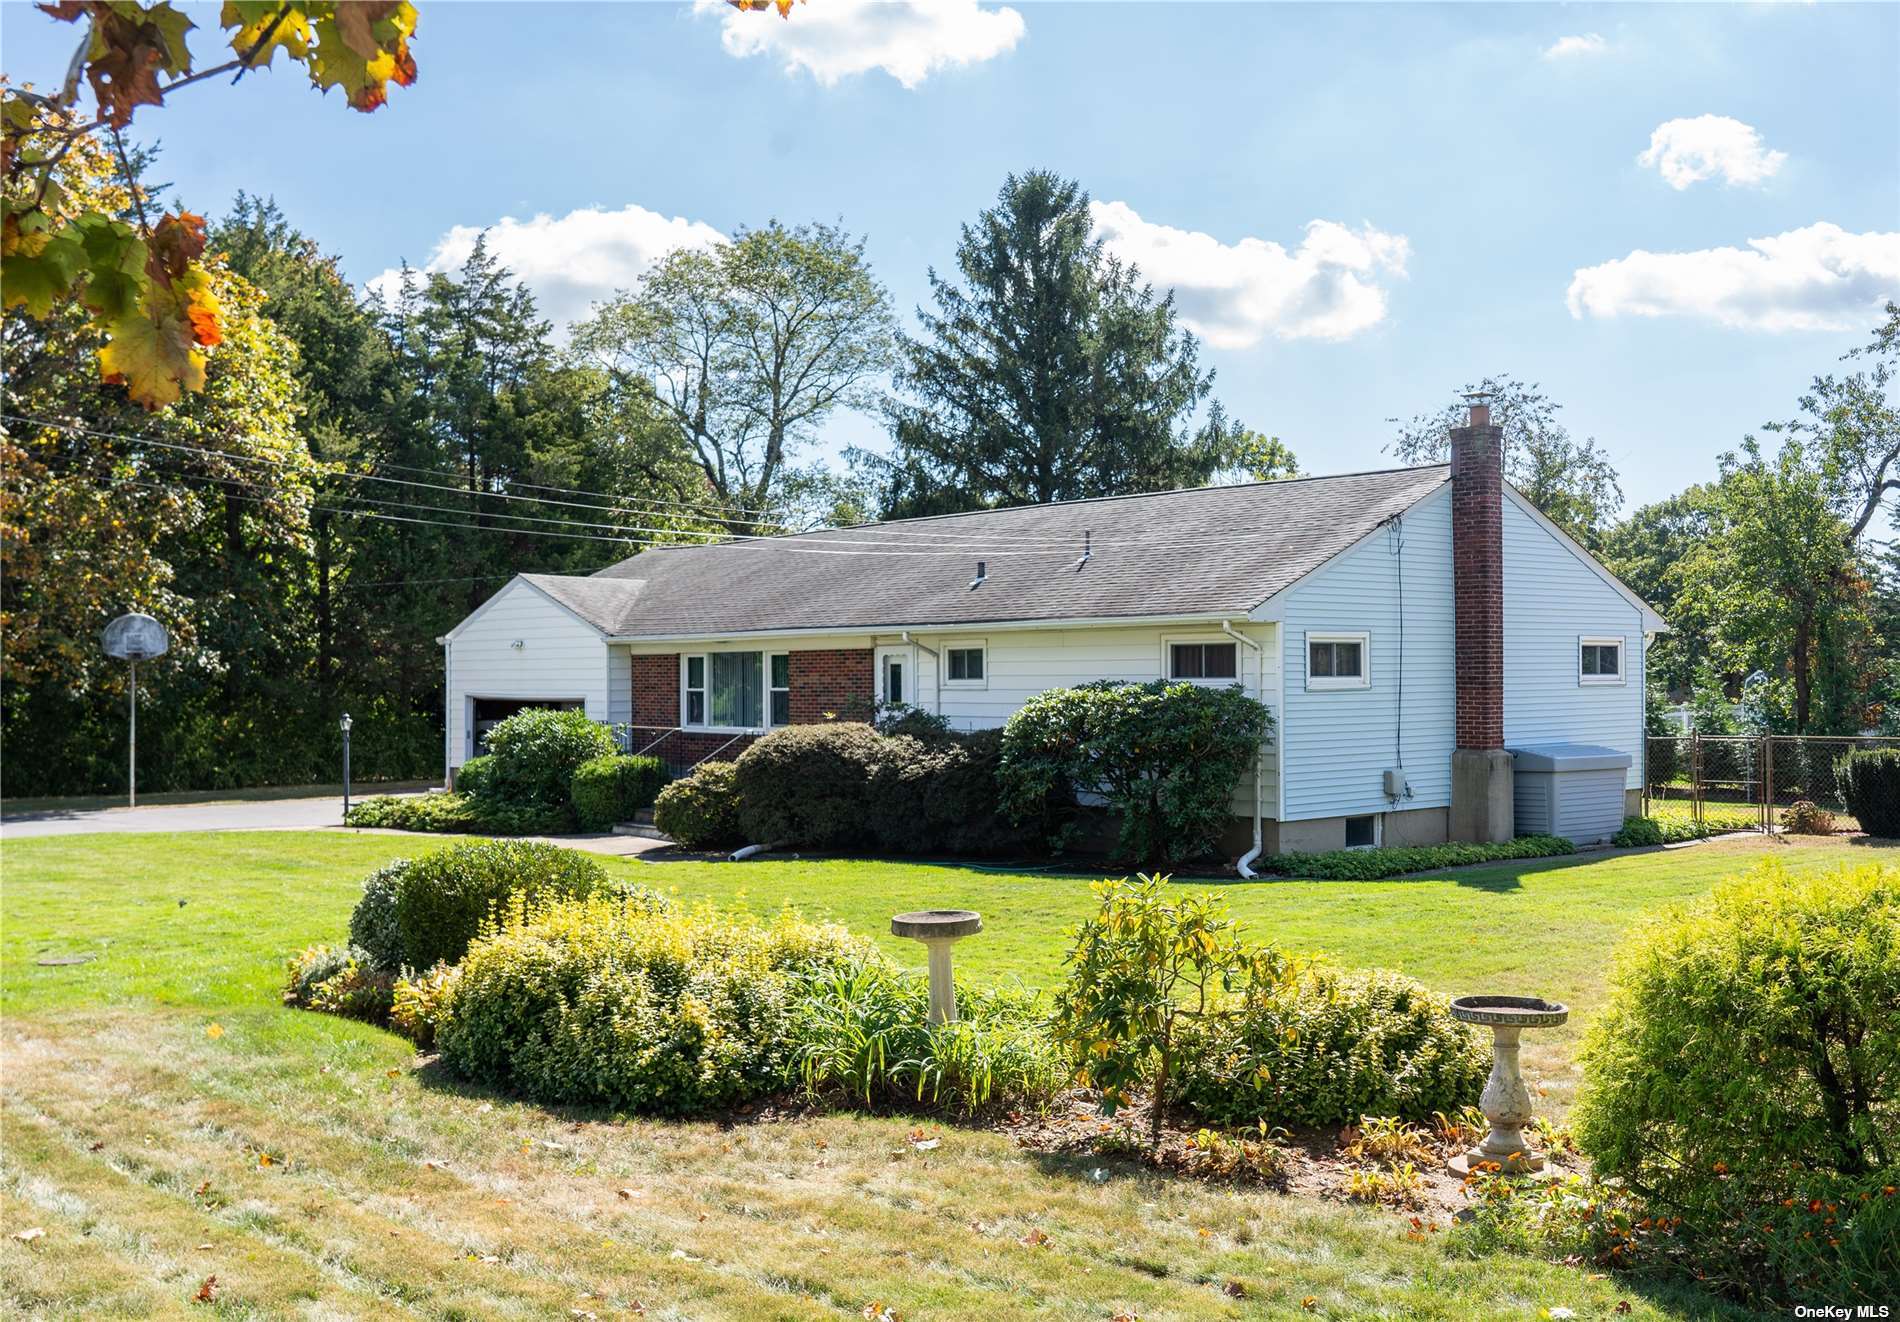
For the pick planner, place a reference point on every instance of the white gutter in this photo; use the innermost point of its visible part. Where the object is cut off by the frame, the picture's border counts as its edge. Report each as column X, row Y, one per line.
column 941, row 626
column 1260, row 689
column 936, row 667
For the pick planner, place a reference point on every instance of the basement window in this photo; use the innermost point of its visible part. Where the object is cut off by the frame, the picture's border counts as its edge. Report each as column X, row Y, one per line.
column 1600, row 661
column 1360, row 832
column 1203, row 661
column 1337, row 661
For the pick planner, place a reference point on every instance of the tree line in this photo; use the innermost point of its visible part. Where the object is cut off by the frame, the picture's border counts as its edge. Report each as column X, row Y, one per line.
column 360, row 471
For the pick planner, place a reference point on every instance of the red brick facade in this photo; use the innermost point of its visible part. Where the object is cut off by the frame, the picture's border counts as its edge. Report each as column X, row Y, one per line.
column 838, row 684
column 1477, row 566
column 827, row 684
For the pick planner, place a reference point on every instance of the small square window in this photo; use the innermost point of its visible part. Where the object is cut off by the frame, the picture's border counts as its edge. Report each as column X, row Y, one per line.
column 1600, row 660
column 964, row 664
column 1336, row 661
column 1359, row 832
column 1202, row 661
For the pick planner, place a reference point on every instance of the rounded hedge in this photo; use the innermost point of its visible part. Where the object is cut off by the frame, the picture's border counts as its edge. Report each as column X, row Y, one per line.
column 1331, row 1047
column 424, row 911
column 701, row 810
column 1868, row 780
column 600, row 1002
column 1748, row 1065
column 534, row 754
column 940, row 795
column 610, row 789
column 476, row 778
column 810, row 784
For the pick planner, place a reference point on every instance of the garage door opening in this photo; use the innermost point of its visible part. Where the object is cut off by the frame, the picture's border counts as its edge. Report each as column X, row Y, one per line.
column 490, row 712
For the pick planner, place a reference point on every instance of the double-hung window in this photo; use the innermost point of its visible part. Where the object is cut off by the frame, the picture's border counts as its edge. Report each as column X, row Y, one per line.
column 725, row 690
column 963, row 665
column 1338, row 661
column 1599, row 660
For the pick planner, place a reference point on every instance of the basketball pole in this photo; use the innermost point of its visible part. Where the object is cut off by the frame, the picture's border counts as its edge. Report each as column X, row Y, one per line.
column 132, row 756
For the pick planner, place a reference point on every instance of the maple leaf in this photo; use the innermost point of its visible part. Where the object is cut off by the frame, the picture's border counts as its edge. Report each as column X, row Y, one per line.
column 207, row 1290
column 362, row 48
column 158, row 350
column 258, row 21
column 37, row 268
column 177, row 242
column 130, row 45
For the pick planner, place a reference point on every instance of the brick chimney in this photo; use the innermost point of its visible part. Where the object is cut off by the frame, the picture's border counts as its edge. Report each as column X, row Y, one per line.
column 1481, row 774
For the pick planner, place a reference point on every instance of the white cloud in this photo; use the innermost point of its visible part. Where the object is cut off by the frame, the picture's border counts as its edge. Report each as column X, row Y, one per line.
column 1328, row 288
column 835, row 39
column 1585, row 43
column 1817, row 278
column 569, row 261
column 1687, row 151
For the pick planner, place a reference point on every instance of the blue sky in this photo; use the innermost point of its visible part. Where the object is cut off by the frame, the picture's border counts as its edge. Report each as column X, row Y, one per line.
column 1362, row 206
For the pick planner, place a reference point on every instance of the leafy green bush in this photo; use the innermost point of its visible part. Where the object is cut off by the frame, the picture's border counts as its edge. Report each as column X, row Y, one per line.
column 535, row 753
column 611, row 789
column 1806, row 817
column 1329, row 1047
column 601, row 1002
column 701, row 810
column 1639, row 832
column 1373, row 864
column 457, row 814
column 902, row 718
column 1167, row 756
column 1150, row 964
column 1869, row 783
column 863, row 1034
column 309, row 968
column 338, row 981
column 417, row 1003
column 940, row 796
column 476, row 778
column 810, row 784
column 424, row 911
column 1778, row 1148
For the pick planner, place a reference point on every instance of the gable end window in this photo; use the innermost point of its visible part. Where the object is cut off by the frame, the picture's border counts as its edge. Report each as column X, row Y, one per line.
column 1600, row 661
column 1338, row 661
column 965, row 665
column 1203, row 661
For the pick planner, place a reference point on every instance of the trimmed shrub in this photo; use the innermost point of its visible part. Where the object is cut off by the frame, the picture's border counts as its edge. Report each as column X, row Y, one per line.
column 417, row 1003
column 1805, row 817
column 701, row 810
column 437, row 903
column 611, row 789
column 1778, row 1149
column 308, row 969
column 1166, row 755
column 534, row 755
column 1331, row 1047
column 941, row 797
column 476, row 778
column 457, row 814
column 338, row 981
column 902, row 718
column 601, row 1002
column 810, row 784
column 863, row 1036
column 1374, row 864
column 1638, row 833
column 1869, row 783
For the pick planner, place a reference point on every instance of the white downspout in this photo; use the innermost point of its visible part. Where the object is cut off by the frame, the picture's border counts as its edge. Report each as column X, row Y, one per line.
column 936, row 668
column 1260, row 691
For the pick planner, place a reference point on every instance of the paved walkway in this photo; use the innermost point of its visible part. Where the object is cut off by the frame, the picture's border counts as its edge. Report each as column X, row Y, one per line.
column 325, row 813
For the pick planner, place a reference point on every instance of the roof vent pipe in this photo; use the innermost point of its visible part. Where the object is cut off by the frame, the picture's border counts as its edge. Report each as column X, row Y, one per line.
column 982, row 572
column 1087, row 552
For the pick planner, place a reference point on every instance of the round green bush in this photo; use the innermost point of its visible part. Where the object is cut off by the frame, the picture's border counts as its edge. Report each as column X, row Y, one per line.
column 611, row 789
column 476, row 778
column 424, row 911
column 1638, row 832
column 1333, row 1046
column 1868, row 780
column 534, row 754
column 701, row 810
column 1747, row 1065
column 601, row 1002
column 940, row 795
column 810, row 784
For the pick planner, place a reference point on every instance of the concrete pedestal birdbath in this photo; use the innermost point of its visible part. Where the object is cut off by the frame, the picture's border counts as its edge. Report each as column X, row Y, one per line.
column 939, row 929
column 1506, row 1102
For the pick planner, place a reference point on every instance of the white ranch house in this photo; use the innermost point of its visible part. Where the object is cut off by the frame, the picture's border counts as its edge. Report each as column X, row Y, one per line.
column 1404, row 627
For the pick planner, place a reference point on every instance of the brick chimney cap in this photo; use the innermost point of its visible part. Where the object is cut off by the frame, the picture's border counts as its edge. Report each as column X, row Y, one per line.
column 1479, row 403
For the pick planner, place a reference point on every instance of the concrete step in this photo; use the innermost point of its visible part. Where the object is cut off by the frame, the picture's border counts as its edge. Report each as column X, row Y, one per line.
column 644, row 830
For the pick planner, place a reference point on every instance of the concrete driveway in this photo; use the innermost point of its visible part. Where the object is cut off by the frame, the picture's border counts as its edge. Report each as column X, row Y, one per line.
column 323, row 813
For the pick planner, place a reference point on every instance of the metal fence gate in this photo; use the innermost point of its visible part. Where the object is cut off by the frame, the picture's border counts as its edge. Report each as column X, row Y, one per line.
column 1745, row 782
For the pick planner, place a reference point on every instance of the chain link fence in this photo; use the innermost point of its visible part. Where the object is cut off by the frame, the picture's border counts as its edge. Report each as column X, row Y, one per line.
column 1747, row 782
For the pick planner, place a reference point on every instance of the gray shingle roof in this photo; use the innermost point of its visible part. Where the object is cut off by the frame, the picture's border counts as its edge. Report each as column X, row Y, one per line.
column 1209, row 551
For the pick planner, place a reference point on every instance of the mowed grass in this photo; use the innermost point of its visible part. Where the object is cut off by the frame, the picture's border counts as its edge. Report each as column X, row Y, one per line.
column 167, row 1120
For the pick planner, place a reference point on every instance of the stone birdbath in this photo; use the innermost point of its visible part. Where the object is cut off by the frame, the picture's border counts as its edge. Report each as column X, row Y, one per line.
column 939, row 929
column 1506, row 1101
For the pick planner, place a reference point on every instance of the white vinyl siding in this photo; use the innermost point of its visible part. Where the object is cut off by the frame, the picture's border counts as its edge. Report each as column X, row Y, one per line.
column 1552, row 602
column 1340, row 741
column 560, row 658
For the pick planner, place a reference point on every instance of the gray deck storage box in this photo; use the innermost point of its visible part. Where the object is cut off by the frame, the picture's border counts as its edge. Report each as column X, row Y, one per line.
column 1571, row 790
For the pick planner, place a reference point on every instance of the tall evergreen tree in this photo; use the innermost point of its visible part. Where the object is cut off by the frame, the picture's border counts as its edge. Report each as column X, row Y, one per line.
column 1048, row 371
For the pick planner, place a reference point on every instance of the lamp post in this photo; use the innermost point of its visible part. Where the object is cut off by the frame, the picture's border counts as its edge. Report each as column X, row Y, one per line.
column 344, row 725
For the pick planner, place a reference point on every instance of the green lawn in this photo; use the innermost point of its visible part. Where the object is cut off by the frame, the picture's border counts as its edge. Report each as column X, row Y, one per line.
column 146, row 1088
